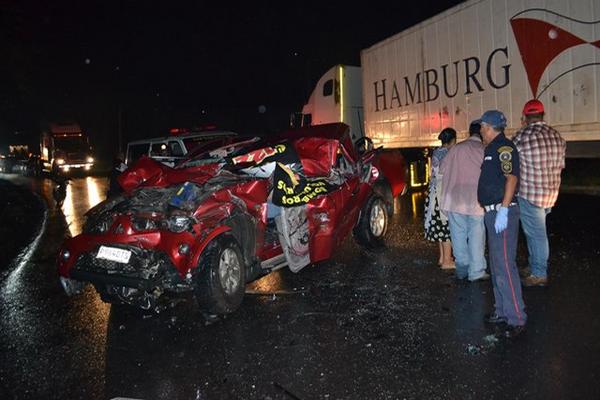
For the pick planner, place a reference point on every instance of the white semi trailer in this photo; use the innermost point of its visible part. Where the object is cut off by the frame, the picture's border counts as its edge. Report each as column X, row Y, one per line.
column 478, row 55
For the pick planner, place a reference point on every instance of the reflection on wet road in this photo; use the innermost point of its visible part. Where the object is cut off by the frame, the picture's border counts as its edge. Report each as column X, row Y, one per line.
column 32, row 304
column 82, row 194
column 367, row 324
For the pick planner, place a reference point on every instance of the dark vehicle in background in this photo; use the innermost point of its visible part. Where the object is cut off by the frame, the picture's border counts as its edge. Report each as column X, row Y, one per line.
column 64, row 146
column 226, row 216
column 19, row 160
column 169, row 150
column 12, row 163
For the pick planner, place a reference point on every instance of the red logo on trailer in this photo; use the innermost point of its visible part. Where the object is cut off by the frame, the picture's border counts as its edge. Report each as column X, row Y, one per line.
column 540, row 42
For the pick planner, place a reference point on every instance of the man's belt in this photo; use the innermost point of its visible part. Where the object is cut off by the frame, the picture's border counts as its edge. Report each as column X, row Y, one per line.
column 495, row 207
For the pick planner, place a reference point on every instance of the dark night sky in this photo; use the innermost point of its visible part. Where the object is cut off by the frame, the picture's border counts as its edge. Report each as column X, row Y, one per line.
column 178, row 64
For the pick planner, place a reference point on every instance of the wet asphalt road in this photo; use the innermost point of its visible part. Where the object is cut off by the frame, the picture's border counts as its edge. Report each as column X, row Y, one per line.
column 365, row 325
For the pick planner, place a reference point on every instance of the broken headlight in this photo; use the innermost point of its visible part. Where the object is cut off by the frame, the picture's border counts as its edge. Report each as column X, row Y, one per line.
column 98, row 224
column 141, row 224
column 179, row 223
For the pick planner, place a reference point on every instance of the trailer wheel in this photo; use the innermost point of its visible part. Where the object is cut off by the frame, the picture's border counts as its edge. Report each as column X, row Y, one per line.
column 219, row 278
column 371, row 229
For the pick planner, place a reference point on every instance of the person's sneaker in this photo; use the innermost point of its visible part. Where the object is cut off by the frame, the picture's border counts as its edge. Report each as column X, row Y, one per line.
column 484, row 277
column 494, row 318
column 533, row 280
column 513, row 331
column 524, row 272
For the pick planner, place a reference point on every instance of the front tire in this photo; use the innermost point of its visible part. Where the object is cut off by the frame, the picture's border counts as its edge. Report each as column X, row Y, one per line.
column 219, row 278
column 372, row 225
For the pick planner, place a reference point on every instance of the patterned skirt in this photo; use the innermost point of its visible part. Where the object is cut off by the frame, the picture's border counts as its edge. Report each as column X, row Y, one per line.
column 436, row 229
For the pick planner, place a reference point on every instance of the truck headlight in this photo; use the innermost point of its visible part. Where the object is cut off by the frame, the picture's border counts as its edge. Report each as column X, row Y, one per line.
column 89, row 160
column 60, row 161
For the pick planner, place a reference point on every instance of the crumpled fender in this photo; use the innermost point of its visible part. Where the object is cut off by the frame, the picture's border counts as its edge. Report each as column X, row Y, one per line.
column 199, row 247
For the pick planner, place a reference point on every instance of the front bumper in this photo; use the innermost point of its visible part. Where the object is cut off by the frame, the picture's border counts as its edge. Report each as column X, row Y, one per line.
column 99, row 278
column 69, row 166
column 146, row 271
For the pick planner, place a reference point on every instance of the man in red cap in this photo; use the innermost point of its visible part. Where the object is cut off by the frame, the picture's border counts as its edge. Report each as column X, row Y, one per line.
column 542, row 157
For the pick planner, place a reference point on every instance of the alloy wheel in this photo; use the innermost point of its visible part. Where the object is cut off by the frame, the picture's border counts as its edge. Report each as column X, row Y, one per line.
column 229, row 270
column 377, row 219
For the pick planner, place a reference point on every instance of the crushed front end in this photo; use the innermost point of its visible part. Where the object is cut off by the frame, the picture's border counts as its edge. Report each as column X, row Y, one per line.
column 134, row 248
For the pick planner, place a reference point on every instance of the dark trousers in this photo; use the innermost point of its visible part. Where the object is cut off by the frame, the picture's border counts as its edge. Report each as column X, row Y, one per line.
column 502, row 250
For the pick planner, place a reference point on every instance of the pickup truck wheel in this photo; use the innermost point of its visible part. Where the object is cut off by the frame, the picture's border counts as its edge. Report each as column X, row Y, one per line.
column 373, row 223
column 219, row 278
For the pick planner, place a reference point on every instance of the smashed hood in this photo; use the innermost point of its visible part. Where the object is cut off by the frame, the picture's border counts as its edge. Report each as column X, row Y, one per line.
column 150, row 173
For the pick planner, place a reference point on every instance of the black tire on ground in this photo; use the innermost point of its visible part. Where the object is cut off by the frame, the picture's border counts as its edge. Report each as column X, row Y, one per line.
column 372, row 225
column 219, row 280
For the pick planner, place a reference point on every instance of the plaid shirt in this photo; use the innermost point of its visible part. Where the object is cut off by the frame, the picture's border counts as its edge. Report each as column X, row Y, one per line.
column 542, row 156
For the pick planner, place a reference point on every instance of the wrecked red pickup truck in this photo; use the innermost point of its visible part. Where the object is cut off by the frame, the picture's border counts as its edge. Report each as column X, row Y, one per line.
column 225, row 217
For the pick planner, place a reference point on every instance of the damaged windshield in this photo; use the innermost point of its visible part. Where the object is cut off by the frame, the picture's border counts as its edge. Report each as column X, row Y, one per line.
column 218, row 151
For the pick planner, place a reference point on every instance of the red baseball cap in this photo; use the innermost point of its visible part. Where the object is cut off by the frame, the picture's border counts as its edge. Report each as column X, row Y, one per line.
column 533, row 107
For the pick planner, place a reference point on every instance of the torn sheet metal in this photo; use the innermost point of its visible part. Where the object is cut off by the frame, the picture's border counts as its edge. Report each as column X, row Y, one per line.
column 292, row 226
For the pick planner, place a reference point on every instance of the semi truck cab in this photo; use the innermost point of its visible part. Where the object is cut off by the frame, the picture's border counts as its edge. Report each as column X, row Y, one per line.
column 337, row 97
column 64, row 147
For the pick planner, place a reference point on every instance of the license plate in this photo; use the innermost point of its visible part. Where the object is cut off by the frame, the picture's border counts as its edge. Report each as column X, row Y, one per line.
column 114, row 254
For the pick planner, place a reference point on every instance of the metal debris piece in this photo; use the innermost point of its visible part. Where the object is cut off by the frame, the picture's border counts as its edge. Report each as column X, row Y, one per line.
column 473, row 349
